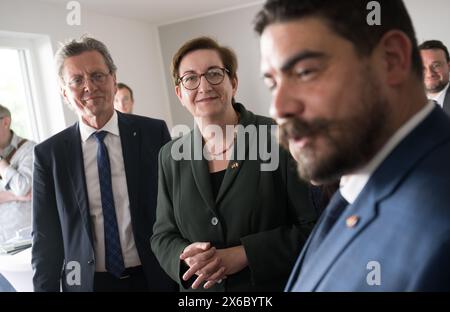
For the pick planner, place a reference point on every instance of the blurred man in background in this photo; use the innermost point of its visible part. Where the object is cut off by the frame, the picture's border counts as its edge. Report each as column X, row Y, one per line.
column 124, row 101
column 16, row 161
column 436, row 69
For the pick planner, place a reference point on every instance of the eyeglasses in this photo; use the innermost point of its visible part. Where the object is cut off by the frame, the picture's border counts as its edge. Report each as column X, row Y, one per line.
column 435, row 67
column 214, row 76
column 97, row 78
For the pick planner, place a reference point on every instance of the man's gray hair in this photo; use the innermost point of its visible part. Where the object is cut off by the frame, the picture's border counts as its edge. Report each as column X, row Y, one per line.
column 4, row 112
column 76, row 47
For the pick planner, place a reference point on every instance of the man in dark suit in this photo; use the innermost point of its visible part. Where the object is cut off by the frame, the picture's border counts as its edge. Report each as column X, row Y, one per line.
column 95, row 186
column 351, row 105
column 436, row 70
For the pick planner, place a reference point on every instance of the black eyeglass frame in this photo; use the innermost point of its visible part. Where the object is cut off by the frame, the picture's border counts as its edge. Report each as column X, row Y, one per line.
column 224, row 70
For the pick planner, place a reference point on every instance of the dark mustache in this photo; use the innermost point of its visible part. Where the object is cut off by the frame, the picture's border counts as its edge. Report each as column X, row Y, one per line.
column 295, row 128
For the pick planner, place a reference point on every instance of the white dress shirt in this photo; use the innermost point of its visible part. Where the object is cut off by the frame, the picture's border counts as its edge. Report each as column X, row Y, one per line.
column 351, row 185
column 120, row 192
column 440, row 97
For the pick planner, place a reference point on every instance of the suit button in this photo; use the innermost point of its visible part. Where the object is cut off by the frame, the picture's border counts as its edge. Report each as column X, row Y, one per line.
column 214, row 221
column 91, row 261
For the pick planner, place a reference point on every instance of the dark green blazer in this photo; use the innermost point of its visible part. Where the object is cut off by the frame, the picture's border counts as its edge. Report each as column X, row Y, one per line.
column 268, row 212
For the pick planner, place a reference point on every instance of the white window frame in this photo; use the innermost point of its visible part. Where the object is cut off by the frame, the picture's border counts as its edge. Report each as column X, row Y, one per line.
column 39, row 75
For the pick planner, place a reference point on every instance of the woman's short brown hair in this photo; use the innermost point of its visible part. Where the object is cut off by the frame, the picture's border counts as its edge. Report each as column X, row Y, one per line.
column 227, row 55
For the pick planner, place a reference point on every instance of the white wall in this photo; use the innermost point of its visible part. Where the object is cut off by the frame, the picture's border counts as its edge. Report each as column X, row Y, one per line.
column 134, row 46
column 431, row 19
column 233, row 29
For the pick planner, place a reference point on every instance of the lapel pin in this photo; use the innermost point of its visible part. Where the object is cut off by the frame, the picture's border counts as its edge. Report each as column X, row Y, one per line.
column 234, row 165
column 134, row 133
column 352, row 221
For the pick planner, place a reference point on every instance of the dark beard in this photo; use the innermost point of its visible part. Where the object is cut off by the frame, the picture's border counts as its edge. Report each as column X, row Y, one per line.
column 441, row 86
column 353, row 141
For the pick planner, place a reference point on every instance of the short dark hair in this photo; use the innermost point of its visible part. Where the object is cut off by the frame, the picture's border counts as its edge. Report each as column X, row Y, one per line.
column 227, row 55
column 435, row 44
column 121, row 85
column 4, row 111
column 347, row 18
column 85, row 44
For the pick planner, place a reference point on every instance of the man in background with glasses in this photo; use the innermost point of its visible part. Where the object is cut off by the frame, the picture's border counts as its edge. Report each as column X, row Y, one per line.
column 436, row 70
column 95, row 186
column 16, row 160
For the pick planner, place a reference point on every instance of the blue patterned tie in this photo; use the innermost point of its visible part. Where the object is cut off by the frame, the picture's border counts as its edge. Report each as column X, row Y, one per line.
column 113, row 251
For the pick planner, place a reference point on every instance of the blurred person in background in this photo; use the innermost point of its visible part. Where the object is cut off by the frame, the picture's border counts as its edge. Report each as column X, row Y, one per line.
column 16, row 161
column 123, row 100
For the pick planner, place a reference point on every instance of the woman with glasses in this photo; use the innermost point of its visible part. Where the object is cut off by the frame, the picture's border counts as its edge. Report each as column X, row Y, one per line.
column 226, row 219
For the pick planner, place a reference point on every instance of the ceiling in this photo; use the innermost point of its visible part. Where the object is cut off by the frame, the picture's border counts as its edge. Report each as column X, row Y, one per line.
column 158, row 11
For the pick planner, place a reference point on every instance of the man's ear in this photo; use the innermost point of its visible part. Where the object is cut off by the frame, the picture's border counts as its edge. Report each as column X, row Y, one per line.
column 7, row 121
column 115, row 82
column 396, row 53
column 63, row 92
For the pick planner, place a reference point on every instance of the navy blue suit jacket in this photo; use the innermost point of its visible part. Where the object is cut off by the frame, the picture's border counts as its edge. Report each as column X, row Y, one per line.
column 402, row 239
column 446, row 104
column 62, row 233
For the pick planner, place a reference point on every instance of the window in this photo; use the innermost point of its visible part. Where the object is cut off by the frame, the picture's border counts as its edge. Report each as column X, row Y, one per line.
column 15, row 92
column 28, row 85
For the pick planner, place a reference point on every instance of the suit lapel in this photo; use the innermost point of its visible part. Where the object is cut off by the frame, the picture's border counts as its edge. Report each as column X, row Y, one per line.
column 75, row 164
column 434, row 130
column 241, row 149
column 446, row 105
column 130, row 137
column 199, row 167
column 234, row 167
column 336, row 241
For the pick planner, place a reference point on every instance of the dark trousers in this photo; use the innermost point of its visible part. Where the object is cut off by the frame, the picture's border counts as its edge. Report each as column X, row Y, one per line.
column 133, row 280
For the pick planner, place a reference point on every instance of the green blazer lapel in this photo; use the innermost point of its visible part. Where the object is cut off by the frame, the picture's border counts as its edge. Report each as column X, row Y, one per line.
column 240, row 150
column 200, row 171
column 234, row 167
